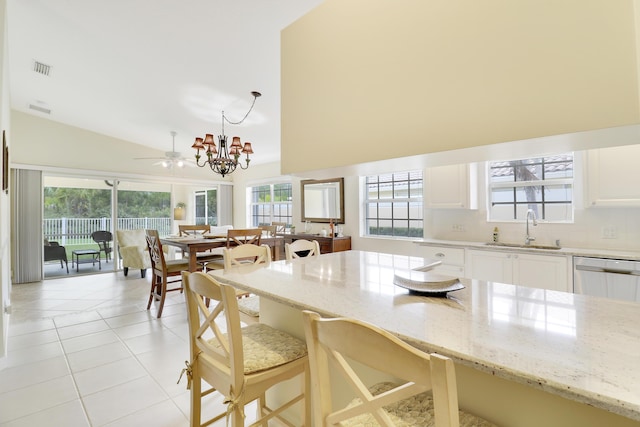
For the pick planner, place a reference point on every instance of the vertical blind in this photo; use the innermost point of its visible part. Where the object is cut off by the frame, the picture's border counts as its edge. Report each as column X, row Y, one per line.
column 26, row 223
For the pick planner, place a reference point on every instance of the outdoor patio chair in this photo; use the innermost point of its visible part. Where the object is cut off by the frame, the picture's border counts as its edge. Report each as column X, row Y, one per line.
column 103, row 239
column 54, row 252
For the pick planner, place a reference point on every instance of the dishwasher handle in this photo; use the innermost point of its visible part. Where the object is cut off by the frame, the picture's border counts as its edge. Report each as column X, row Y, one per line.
column 607, row 270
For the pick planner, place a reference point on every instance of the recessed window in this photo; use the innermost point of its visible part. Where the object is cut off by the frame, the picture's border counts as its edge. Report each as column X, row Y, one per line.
column 270, row 202
column 543, row 184
column 393, row 205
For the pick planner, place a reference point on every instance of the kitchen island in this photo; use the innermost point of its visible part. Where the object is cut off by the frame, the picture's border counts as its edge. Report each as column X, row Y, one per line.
column 524, row 356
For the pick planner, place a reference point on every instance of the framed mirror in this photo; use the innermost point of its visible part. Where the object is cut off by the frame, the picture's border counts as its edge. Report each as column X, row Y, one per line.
column 323, row 200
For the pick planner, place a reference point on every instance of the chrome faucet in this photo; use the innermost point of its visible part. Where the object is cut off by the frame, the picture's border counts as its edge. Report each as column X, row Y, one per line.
column 531, row 215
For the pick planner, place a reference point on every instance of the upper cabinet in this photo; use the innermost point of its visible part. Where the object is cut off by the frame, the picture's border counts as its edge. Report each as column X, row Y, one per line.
column 612, row 176
column 452, row 187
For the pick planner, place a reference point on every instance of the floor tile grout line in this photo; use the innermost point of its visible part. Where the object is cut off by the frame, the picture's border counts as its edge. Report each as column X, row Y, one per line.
column 73, row 378
column 70, row 374
column 105, row 314
column 146, row 370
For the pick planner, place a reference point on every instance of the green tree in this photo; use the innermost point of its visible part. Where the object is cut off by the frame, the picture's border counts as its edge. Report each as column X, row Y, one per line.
column 93, row 203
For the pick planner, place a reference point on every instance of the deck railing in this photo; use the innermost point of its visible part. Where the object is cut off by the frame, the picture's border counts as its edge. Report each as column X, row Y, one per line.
column 77, row 231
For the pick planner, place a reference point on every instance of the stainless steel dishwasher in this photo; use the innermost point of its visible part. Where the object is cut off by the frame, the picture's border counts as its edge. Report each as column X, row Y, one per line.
column 609, row 278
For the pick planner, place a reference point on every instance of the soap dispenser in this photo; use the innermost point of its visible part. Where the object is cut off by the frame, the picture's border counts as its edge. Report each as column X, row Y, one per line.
column 496, row 236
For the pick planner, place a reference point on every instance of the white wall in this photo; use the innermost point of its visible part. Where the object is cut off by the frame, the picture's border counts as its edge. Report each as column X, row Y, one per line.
column 40, row 142
column 369, row 80
column 5, row 234
column 584, row 232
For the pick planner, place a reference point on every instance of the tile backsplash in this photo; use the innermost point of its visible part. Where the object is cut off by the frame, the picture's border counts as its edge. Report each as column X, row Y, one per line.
column 597, row 228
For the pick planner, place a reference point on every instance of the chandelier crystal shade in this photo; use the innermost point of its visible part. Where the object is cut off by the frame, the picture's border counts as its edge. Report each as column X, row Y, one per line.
column 224, row 159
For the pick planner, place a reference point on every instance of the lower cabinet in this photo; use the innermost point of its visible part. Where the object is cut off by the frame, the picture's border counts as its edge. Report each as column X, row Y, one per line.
column 452, row 259
column 524, row 269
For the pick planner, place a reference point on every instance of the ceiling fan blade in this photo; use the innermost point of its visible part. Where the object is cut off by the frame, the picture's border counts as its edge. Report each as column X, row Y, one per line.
column 171, row 158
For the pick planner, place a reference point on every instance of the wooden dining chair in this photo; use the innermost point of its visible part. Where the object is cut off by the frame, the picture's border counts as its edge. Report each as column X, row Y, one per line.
column 281, row 227
column 423, row 392
column 243, row 236
column 235, row 237
column 301, row 248
column 193, row 230
column 199, row 231
column 270, row 230
column 239, row 363
column 161, row 271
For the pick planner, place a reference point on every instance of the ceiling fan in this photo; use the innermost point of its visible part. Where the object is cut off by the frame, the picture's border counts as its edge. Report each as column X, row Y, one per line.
column 172, row 159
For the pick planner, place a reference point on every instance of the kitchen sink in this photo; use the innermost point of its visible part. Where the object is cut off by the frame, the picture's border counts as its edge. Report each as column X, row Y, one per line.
column 522, row 245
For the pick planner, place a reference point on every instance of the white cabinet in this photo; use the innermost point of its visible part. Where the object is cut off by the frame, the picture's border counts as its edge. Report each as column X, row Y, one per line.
column 517, row 268
column 612, row 176
column 452, row 259
column 451, row 187
column 542, row 271
column 490, row 266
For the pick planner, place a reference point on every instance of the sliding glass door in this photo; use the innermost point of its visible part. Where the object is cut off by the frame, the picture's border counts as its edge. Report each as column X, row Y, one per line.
column 75, row 208
column 206, row 203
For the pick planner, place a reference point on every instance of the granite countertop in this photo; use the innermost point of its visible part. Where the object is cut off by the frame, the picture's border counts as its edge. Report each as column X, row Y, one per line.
column 569, row 345
column 598, row 253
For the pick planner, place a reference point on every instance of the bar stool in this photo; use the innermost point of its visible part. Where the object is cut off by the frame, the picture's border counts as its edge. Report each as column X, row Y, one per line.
column 240, row 363
column 423, row 392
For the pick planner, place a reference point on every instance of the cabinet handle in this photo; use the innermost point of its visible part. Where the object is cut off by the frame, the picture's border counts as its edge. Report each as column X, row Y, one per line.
column 515, row 256
column 440, row 255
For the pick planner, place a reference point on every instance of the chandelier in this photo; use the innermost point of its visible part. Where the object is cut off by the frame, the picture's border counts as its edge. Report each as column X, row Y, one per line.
column 225, row 159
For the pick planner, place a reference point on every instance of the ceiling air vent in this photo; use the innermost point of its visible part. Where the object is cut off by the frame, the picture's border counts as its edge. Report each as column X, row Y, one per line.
column 41, row 68
column 41, row 109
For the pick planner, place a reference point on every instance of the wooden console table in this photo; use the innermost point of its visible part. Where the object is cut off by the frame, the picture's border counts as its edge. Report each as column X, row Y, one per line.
column 327, row 244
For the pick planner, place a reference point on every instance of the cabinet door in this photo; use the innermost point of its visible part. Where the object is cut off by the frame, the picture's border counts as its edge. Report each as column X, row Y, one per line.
column 541, row 271
column 490, row 266
column 613, row 176
column 451, row 187
column 341, row 244
column 452, row 259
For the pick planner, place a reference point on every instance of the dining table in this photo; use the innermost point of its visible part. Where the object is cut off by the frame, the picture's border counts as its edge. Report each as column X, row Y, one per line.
column 192, row 245
column 524, row 356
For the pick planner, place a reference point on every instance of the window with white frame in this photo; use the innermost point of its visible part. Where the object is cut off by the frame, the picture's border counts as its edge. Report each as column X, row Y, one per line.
column 270, row 202
column 542, row 184
column 393, row 205
column 206, row 206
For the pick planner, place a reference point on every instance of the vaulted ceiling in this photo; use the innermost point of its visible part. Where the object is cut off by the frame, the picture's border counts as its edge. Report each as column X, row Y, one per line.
column 138, row 69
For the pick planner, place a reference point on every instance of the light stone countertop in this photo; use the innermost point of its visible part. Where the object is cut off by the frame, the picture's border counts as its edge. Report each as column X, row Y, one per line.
column 574, row 346
column 597, row 253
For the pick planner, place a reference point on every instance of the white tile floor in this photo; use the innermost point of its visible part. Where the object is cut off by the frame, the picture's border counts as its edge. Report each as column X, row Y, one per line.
column 84, row 351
